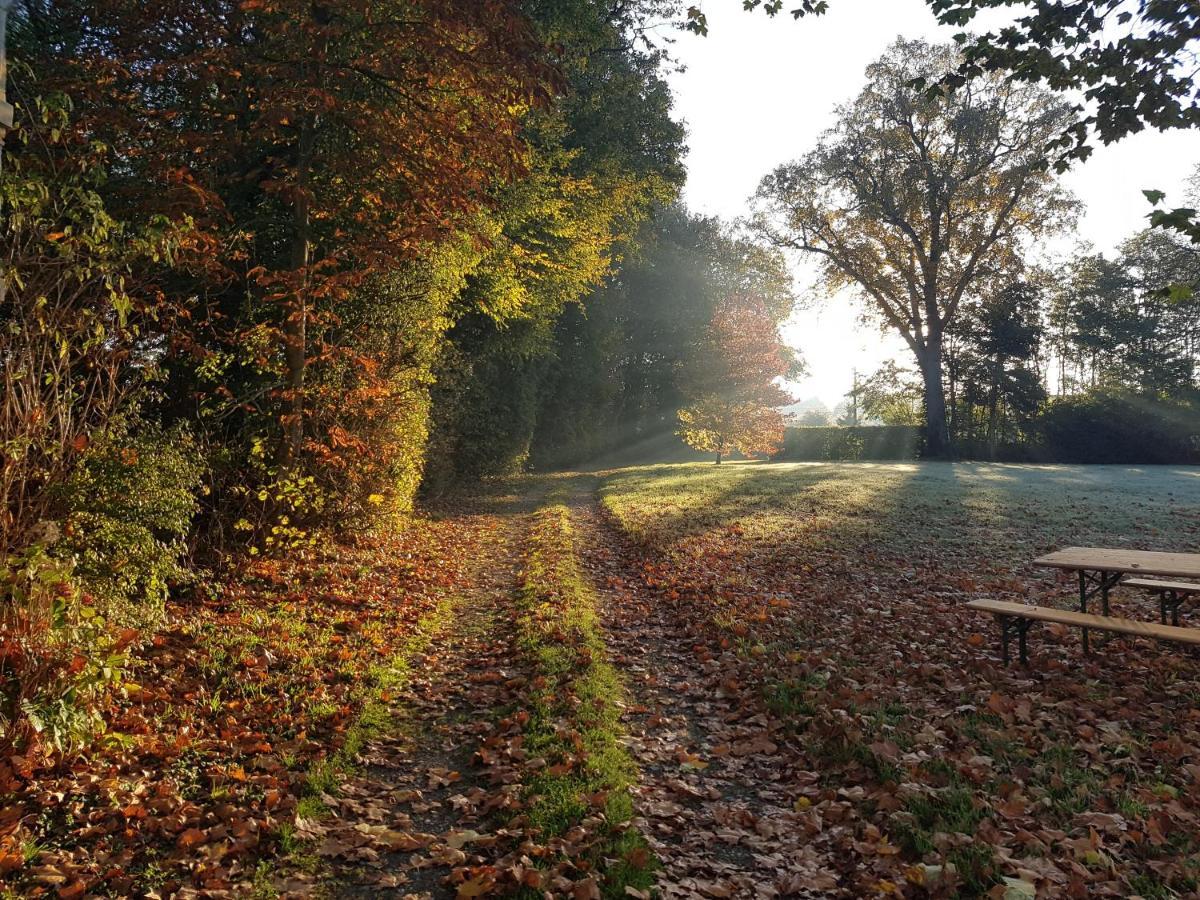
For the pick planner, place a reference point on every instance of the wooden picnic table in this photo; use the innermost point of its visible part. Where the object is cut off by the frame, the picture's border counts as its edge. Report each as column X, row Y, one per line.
column 1102, row 569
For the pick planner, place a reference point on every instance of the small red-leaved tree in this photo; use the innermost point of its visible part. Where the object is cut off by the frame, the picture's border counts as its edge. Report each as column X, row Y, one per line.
column 733, row 382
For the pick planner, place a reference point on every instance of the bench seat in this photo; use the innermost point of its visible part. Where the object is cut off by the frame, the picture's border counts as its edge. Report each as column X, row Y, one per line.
column 1016, row 617
column 1171, row 594
column 1153, row 584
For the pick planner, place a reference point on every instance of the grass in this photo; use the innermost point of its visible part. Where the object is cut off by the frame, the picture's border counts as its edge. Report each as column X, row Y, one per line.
column 906, row 505
column 575, row 710
column 374, row 719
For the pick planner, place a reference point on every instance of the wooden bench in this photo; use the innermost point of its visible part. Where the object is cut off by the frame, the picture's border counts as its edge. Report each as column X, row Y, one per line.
column 1016, row 618
column 1170, row 594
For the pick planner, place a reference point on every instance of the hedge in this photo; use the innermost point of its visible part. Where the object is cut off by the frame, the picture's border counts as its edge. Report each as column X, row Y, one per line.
column 836, row 442
column 1118, row 427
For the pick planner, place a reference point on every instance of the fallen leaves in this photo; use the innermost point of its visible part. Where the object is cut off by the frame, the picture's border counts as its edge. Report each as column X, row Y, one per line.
column 939, row 771
column 248, row 684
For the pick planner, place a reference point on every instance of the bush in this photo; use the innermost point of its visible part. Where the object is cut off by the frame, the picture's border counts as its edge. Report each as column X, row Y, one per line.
column 836, row 442
column 1118, row 427
column 57, row 657
column 128, row 506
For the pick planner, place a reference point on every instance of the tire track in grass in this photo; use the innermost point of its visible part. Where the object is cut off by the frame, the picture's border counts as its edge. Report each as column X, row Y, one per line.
column 402, row 810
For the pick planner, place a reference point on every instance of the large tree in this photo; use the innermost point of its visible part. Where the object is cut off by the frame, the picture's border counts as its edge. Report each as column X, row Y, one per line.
column 316, row 145
column 918, row 200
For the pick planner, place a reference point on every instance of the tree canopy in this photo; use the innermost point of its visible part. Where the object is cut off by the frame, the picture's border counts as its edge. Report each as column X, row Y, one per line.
column 918, row 201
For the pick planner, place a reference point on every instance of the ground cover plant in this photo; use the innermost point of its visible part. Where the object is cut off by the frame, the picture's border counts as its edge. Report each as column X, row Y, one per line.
column 842, row 587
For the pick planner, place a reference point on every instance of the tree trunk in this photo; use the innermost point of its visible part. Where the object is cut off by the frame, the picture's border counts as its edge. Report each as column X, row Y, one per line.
column 295, row 322
column 993, row 410
column 937, row 438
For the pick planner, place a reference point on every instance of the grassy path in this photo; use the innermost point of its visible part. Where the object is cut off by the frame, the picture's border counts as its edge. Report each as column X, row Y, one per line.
column 496, row 765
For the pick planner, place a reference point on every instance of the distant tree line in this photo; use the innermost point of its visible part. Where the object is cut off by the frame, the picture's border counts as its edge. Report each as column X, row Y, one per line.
column 930, row 206
column 1098, row 361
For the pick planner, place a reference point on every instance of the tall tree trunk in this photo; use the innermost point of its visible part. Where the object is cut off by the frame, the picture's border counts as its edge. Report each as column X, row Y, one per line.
column 295, row 323
column 993, row 410
column 937, row 437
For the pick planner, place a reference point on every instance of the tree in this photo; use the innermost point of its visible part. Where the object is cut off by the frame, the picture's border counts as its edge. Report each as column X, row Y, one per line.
column 818, row 416
column 622, row 360
column 78, row 314
column 600, row 162
column 1122, row 321
column 918, row 201
column 891, row 395
column 733, row 382
column 995, row 355
column 318, row 145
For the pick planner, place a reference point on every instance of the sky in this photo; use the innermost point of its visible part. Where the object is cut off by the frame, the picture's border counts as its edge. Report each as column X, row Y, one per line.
column 757, row 92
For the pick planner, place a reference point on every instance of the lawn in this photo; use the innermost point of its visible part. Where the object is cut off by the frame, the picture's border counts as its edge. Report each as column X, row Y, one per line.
column 843, row 587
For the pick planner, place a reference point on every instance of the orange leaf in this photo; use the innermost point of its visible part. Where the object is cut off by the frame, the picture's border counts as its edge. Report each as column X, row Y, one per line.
column 191, row 838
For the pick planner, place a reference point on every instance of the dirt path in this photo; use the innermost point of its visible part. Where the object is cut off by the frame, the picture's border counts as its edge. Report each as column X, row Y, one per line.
column 722, row 797
column 417, row 817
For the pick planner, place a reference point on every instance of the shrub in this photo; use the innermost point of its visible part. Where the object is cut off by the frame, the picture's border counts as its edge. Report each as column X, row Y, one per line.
column 57, row 657
column 128, row 506
column 1110, row 426
column 836, row 442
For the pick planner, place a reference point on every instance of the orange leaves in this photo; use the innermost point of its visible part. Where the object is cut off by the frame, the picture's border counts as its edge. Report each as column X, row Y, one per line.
column 190, row 838
column 201, row 772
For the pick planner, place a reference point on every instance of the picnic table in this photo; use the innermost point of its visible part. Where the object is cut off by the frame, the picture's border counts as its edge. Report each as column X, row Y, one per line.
column 1102, row 569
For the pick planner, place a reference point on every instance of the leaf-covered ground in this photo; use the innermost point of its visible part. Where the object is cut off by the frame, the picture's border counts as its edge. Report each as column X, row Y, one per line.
column 745, row 681
column 833, row 596
column 237, row 715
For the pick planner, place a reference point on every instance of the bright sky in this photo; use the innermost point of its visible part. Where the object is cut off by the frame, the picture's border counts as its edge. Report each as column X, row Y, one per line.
column 757, row 92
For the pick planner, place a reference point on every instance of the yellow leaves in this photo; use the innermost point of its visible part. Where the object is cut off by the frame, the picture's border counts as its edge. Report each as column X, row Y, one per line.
column 456, row 840
column 690, row 761
column 475, row 887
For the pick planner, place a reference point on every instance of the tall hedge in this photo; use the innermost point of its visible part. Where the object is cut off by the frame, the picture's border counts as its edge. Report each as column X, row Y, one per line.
column 836, row 442
column 1118, row 427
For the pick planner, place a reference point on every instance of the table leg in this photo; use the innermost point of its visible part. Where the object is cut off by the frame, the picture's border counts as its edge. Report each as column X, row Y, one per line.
column 1083, row 598
column 1105, row 584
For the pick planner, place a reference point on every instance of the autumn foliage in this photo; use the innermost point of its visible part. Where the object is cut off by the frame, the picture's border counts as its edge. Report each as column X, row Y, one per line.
column 734, row 382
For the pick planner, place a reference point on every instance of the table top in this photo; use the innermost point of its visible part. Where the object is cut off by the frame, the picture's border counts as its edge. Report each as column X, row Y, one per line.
column 1144, row 562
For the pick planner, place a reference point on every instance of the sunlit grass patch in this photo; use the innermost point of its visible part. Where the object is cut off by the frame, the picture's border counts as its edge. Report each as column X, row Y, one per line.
column 861, row 572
